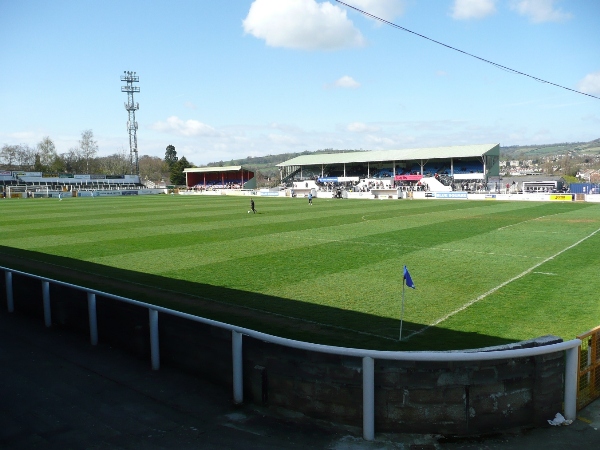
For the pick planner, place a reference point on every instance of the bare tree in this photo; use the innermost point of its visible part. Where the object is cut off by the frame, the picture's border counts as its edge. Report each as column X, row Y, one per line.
column 88, row 147
column 153, row 168
column 8, row 156
column 46, row 152
column 13, row 157
column 25, row 157
column 115, row 164
column 73, row 160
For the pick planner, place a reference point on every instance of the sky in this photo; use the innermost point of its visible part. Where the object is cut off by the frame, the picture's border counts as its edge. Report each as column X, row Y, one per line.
column 223, row 80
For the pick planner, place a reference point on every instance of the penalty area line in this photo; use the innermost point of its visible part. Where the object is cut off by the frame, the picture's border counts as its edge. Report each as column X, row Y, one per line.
column 500, row 286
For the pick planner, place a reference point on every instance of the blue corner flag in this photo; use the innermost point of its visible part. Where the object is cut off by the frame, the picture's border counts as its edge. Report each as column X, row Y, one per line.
column 408, row 279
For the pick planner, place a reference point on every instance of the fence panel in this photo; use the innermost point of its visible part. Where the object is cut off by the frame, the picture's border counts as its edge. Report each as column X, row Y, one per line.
column 588, row 380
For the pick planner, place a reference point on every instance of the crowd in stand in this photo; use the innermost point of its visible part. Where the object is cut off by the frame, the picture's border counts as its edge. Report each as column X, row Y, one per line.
column 215, row 185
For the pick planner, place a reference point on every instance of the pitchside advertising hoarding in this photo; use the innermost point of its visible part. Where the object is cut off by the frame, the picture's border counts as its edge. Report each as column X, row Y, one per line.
column 561, row 197
column 450, row 195
column 337, row 179
column 269, row 192
column 408, row 177
column 27, row 174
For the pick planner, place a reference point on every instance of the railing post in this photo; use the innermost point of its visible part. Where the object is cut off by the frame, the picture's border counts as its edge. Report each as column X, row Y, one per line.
column 10, row 303
column 238, row 378
column 154, row 347
column 46, row 299
column 91, row 299
column 368, row 367
column 571, row 373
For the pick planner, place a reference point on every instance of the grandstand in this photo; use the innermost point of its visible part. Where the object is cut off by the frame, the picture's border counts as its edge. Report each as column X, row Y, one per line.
column 451, row 168
column 227, row 177
column 35, row 184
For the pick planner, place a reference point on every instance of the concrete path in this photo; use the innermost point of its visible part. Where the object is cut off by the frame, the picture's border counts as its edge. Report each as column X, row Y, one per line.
column 59, row 392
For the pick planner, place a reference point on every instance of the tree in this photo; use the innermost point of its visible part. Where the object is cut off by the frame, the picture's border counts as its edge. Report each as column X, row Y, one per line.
column 115, row 164
column 72, row 160
column 88, row 147
column 8, row 156
column 170, row 156
column 25, row 157
column 58, row 165
column 20, row 157
column 153, row 168
column 177, row 175
column 37, row 166
column 46, row 153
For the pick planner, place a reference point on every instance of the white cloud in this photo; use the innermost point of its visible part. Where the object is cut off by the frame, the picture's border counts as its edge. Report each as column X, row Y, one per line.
column 187, row 128
column 385, row 9
column 25, row 135
column 590, row 84
column 540, row 10
column 306, row 25
column 473, row 9
column 360, row 127
column 347, row 82
column 190, row 105
column 282, row 139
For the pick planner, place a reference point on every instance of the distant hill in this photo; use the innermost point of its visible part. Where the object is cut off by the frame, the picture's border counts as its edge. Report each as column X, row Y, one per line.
column 537, row 151
column 266, row 165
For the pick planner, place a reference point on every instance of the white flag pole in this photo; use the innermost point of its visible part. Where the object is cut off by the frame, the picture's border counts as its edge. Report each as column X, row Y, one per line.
column 402, row 310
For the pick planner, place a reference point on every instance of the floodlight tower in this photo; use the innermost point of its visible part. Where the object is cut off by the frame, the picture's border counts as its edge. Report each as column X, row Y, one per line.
column 132, row 126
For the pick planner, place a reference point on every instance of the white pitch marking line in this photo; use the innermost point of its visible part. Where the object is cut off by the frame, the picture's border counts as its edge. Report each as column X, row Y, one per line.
column 525, row 221
column 545, row 273
column 418, row 247
column 500, row 286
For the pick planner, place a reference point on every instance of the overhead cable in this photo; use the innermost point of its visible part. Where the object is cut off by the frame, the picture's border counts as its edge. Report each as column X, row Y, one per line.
column 499, row 66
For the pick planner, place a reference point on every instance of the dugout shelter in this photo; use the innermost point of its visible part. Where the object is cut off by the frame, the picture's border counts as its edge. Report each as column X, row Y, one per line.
column 226, row 177
column 466, row 162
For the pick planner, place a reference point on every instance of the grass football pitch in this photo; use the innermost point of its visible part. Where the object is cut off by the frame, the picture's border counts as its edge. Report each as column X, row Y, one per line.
column 485, row 272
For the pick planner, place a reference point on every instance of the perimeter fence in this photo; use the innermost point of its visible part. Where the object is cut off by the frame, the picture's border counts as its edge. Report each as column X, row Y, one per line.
column 479, row 388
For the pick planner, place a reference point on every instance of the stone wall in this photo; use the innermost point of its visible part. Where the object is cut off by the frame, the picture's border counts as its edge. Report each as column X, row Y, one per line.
column 418, row 397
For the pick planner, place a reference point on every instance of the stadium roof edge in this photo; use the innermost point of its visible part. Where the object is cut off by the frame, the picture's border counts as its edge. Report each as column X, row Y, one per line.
column 214, row 169
column 409, row 154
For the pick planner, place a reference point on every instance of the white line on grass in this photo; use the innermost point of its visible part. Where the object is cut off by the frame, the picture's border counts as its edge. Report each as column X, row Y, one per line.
column 500, row 286
column 418, row 247
column 528, row 220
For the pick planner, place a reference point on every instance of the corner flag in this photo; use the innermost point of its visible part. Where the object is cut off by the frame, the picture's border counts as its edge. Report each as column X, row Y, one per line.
column 408, row 279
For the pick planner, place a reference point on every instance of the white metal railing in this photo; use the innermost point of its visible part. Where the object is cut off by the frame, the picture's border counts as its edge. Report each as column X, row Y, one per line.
column 368, row 356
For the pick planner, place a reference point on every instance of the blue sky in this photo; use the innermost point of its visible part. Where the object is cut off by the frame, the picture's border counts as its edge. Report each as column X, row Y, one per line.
column 221, row 80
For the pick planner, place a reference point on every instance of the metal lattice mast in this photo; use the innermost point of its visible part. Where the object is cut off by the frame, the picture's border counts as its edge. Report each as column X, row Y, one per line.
column 132, row 126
